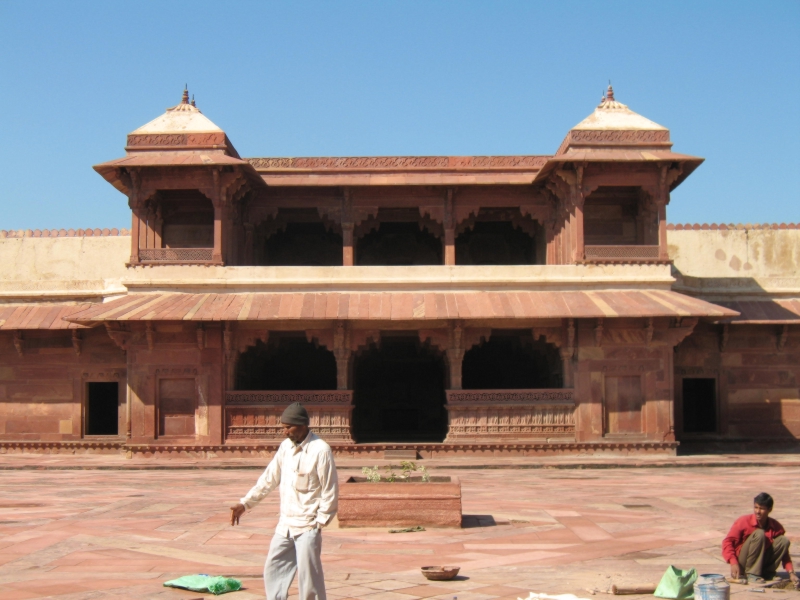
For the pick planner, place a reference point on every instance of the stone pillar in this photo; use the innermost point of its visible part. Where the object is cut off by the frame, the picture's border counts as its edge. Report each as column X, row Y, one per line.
column 341, row 351
column 578, row 201
column 449, row 230
column 135, row 222
column 348, row 256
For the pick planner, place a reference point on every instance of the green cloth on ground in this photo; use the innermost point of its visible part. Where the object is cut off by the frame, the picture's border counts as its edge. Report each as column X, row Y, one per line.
column 205, row 583
column 677, row 584
column 407, row 529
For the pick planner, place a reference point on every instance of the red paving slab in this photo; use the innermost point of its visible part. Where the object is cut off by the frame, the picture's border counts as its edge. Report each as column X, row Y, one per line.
column 109, row 534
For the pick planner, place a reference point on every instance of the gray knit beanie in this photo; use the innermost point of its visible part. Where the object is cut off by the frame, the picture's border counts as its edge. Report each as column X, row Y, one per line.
column 295, row 414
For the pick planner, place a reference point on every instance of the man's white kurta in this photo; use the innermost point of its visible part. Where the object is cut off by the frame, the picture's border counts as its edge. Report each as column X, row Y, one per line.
column 309, row 486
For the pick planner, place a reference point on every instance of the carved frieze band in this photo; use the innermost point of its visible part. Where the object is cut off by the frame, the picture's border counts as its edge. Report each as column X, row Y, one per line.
column 177, row 139
column 628, row 252
column 455, row 397
column 510, row 422
column 400, row 162
column 262, row 398
column 629, row 136
column 176, row 254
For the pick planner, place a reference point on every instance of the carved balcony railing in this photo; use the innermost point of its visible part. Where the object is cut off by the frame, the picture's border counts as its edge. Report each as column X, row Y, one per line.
column 622, row 253
column 257, row 414
column 176, row 255
column 510, row 415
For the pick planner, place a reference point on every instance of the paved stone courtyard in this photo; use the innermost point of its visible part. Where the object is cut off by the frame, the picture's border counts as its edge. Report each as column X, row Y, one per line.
column 112, row 534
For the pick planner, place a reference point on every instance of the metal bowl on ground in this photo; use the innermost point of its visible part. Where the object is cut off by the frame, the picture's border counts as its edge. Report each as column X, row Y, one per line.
column 440, row 573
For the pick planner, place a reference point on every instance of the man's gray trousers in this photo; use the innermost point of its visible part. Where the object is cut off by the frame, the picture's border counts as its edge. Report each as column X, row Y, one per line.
column 301, row 555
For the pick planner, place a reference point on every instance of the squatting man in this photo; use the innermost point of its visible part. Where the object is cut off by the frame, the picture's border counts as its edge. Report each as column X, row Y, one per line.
column 756, row 545
column 304, row 470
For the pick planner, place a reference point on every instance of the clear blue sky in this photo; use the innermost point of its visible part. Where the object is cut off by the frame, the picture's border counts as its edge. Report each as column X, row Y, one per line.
column 383, row 78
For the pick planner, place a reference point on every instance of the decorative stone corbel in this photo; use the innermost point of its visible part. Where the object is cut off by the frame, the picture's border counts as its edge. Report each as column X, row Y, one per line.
column 724, row 337
column 150, row 334
column 19, row 343
column 118, row 335
column 598, row 333
column 648, row 331
column 783, row 336
column 201, row 337
column 76, row 342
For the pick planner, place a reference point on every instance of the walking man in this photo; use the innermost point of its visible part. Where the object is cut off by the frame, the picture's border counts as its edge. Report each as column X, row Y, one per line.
column 303, row 467
column 756, row 545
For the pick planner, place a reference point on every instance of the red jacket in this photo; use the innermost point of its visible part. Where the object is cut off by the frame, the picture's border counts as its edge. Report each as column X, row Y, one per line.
column 741, row 530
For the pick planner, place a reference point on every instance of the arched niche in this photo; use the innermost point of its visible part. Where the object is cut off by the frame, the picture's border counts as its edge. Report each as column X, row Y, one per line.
column 396, row 237
column 399, row 391
column 502, row 236
column 288, row 361
column 297, row 237
column 512, row 359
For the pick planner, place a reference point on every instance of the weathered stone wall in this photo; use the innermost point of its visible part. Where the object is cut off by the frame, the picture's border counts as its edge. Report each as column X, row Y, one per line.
column 752, row 252
column 42, row 391
column 38, row 267
column 758, row 383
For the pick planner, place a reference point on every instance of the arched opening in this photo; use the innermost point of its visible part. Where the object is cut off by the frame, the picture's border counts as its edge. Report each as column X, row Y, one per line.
column 398, row 237
column 398, row 392
column 500, row 237
column 297, row 238
column 512, row 360
column 287, row 362
column 188, row 219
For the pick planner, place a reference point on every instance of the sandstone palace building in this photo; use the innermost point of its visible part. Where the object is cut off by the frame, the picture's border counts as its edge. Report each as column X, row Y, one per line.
column 486, row 305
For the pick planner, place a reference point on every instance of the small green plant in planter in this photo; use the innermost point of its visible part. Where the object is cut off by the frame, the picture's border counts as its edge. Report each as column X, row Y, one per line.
column 373, row 476
column 407, row 468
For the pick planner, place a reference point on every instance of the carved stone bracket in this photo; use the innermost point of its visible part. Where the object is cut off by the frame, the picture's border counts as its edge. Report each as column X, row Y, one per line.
column 648, row 329
column 19, row 343
column 228, row 339
column 201, row 337
column 118, row 335
column 598, row 333
column 724, row 336
column 76, row 342
column 150, row 334
column 783, row 336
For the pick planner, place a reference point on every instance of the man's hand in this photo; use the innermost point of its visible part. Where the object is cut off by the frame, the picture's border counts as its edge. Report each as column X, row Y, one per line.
column 795, row 579
column 236, row 512
column 736, row 572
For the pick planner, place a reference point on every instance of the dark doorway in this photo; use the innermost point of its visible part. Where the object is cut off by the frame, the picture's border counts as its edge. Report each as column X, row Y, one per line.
column 399, row 392
column 302, row 244
column 699, row 405
column 397, row 243
column 102, row 408
column 288, row 362
column 495, row 243
column 511, row 360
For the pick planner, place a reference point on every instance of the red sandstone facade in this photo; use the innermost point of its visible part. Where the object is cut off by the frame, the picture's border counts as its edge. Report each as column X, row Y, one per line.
column 484, row 304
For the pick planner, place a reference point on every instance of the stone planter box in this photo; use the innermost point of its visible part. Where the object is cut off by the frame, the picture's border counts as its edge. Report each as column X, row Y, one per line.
column 400, row 504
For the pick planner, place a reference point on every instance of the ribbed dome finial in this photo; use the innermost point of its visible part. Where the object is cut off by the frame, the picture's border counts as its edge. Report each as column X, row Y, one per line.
column 610, row 93
column 185, row 99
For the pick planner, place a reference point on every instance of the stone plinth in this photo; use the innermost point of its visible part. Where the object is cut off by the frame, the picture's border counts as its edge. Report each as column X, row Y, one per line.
column 400, row 504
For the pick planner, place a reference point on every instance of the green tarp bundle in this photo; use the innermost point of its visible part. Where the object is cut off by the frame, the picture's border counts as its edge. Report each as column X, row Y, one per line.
column 677, row 584
column 205, row 583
